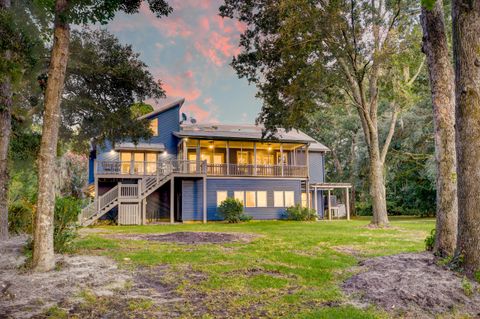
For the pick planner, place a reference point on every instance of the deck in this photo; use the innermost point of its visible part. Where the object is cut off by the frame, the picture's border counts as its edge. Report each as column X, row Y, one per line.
column 165, row 167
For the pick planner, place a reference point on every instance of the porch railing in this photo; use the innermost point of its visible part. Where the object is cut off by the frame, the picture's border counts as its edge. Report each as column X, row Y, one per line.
column 165, row 167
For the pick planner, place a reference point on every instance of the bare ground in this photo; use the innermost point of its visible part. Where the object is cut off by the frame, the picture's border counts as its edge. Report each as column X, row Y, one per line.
column 25, row 294
column 413, row 286
column 190, row 237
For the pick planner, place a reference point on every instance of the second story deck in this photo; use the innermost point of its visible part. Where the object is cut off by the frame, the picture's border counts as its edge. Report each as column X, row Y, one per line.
column 126, row 169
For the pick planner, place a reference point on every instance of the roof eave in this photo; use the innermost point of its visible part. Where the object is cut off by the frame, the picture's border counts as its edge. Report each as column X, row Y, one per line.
column 163, row 108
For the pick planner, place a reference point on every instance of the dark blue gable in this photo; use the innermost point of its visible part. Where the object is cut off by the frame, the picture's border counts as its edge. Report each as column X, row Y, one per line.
column 168, row 122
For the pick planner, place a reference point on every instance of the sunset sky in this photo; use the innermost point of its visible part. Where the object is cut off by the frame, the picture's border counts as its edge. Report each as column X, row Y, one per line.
column 190, row 51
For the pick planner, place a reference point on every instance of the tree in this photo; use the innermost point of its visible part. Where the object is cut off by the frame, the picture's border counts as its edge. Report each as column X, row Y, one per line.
column 435, row 47
column 301, row 52
column 106, row 83
column 466, row 53
column 19, row 48
column 64, row 13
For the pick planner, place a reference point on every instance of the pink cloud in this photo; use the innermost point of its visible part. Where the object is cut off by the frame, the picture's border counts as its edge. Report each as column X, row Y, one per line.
column 204, row 23
column 199, row 113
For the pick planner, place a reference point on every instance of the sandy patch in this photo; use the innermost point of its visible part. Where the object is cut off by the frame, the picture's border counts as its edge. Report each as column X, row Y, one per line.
column 412, row 285
column 190, row 237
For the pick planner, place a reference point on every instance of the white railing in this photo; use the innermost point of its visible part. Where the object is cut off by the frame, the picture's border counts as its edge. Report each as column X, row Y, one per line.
column 165, row 167
column 129, row 191
column 257, row 170
column 87, row 212
column 105, row 199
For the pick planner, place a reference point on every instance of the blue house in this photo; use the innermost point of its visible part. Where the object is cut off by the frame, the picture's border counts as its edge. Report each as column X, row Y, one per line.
column 184, row 171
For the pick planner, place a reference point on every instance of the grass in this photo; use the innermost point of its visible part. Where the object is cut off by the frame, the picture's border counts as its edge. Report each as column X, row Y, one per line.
column 292, row 269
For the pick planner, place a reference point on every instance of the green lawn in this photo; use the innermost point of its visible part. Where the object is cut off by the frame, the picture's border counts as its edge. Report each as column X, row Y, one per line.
column 292, row 269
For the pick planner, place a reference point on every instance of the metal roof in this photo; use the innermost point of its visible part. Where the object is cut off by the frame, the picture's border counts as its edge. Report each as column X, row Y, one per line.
column 128, row 146
column 242, row 132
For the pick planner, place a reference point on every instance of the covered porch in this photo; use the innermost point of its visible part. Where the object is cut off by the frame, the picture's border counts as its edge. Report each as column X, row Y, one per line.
column 246, row 158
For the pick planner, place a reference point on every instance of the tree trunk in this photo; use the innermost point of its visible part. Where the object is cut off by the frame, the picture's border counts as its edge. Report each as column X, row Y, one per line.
column 377, row 192
column 435, row 47
column 466, row 51
column 5, row 129
column 43, row 253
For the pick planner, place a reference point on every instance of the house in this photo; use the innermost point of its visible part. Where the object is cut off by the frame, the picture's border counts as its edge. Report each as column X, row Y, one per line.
column 184, row 171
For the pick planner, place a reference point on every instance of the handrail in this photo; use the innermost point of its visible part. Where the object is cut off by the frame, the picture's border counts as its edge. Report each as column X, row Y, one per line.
column 105, row 199
column 165, row 167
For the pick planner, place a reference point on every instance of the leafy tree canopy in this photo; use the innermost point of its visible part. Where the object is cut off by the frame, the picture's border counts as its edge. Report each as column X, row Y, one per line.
column 140, row 108
column 104, row 79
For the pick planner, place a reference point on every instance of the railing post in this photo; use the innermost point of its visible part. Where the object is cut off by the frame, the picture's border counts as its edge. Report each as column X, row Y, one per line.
column 281, row 158
column 119, row 190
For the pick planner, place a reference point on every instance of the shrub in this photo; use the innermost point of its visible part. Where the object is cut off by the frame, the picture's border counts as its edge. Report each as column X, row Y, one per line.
column 298, row 212
column 430, row 240
column 231, row 210
column 66, row 216
column 20, row 218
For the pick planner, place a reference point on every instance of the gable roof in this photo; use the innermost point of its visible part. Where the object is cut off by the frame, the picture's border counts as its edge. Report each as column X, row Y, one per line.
column 163, row 108
column 244, row 132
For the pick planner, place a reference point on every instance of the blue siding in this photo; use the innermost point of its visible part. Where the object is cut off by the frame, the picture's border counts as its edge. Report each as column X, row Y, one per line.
column 91, row 169
column 192, row 198
column 168, row 122
column 317, row 167
column 193, row 195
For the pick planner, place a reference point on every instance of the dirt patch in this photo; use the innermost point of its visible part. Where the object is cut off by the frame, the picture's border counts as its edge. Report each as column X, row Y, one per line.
column 111, row 292
column 412, row 285
column 190, row 237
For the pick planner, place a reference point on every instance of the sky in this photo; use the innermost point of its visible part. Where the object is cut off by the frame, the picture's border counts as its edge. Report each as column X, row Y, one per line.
column 190, row 52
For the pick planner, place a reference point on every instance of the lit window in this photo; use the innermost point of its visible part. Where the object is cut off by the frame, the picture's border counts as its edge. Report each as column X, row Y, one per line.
column 221, row 196
column 250, row 199
column 304, row 200
column 154, row 126
column 240, row 196
column 278, row 199
column 289, row 199
column 261, row 199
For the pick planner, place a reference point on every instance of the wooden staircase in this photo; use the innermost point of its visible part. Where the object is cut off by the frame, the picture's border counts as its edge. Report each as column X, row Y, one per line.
column 127, row 192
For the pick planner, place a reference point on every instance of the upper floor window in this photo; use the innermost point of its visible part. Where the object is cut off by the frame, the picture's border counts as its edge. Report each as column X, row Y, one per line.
column 154, row 126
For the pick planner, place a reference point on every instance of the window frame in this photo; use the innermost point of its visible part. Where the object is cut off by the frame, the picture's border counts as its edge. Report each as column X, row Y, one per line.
column 282, row 198
column 226, row 196
column 266, row 199
column 292, row 198
column 242, row 200
column 154, row 126
column 254, row 199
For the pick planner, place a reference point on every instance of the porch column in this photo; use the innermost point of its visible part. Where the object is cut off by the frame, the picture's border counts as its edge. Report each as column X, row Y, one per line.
column 197, row 165
column 316, row 200
column 309, row 196
column 172, row 200
column 254, row 158
column 144, row 211
column 184, row 149
column 307, row 161
column 347, row 202
column 281, row 159
column 204, row 201
column 329, row 206
column 228, row 158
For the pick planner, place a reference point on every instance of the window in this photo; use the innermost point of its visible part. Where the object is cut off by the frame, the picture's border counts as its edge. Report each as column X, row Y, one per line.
column 289, row 199
column 278, row 199
column 139, row 162
column 304, row 200
column 239, row 195
column 242, row 157
column 221, row 196
column 261, row 199
column 126, row 161
column 250, row 199
column 151, row 165
column 154, row 126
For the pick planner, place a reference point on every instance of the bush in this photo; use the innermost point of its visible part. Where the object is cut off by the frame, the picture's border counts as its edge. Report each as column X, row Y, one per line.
column 66, row 217
column 430, row 241
column 298, row 212
column 20, row 218
column 231, row 210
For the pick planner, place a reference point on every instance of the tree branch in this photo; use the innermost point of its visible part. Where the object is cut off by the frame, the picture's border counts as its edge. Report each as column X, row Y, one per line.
column 391, row 131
